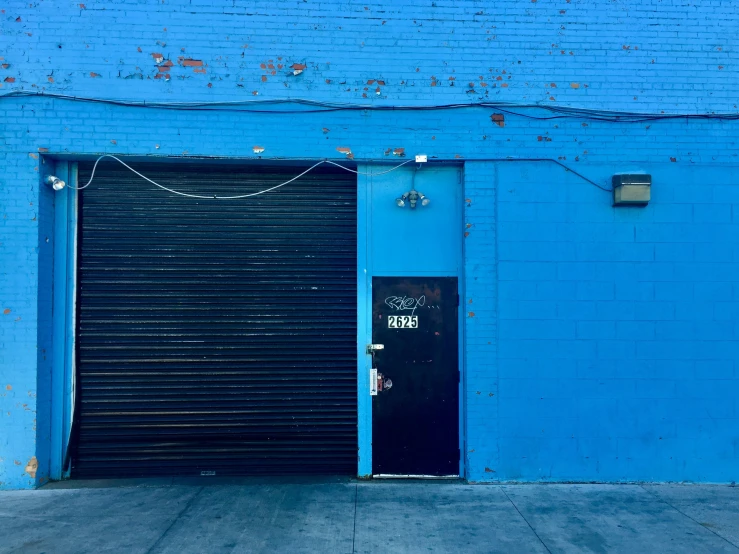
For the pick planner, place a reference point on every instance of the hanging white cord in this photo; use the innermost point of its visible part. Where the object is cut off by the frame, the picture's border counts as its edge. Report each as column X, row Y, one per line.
column 371, row 174
column 203, row 197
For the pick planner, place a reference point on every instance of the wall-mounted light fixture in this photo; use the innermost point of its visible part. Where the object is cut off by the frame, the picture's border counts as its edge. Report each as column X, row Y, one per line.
column 55, row 182
column 631, row 189
column 412, row 197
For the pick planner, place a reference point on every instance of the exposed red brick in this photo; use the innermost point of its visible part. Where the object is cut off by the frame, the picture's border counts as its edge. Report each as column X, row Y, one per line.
column 575, row 85
column 263, row 65
column 553, row 85
column 189, row 62
column 82, row 7
column 298, row 66
column 10, row 79
column 6, row 311
column 50, row 79
column 6, row 65
column 399, row 152
column 199, row 70
column 344, row 150
column 93, row 74
column 42, row 149
column 371, row 82
column 498, row 119
column 157, row 56
column 264, row 78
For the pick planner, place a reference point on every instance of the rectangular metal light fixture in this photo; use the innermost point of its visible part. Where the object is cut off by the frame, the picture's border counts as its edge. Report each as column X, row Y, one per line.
column 631, row 189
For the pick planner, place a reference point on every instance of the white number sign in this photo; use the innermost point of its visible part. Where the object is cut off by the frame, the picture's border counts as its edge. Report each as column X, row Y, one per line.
column 402, row 322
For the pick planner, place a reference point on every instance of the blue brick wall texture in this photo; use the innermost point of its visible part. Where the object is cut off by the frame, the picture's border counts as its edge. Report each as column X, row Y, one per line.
column 600, row 342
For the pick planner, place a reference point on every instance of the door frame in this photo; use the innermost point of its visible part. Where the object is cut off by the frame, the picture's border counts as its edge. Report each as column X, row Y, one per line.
column 365, row 273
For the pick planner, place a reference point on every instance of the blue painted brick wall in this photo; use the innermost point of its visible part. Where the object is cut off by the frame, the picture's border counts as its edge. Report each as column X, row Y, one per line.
column 606, row 337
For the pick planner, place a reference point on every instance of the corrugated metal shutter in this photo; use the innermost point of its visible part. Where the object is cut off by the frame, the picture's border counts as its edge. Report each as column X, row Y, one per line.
column 216, row 335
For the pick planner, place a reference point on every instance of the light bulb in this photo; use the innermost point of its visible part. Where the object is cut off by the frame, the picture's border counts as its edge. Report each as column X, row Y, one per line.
column 55, row 182
column 399, row 202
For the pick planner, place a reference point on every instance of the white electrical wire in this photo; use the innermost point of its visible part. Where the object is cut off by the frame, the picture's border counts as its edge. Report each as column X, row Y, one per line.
column 370, row 174
column 124, row 164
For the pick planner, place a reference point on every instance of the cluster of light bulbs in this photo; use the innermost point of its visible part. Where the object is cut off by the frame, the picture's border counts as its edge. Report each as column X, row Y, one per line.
column 412, row 197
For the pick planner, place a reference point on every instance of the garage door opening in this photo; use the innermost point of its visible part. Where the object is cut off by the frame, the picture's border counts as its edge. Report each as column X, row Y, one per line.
column 216, row 336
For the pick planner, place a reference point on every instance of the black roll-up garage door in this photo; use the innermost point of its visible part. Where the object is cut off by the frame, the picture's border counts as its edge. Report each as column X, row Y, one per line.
column 216, row 335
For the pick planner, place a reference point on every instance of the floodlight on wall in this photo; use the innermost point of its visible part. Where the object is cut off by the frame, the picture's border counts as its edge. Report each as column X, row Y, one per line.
column 631, row 189
column 412, row 197
column 55, row 182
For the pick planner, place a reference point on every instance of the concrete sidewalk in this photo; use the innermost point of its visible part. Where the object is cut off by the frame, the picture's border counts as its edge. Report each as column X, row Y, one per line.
column 339, row 515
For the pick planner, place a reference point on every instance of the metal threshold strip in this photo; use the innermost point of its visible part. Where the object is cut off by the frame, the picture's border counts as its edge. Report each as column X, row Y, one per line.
column 385, row 476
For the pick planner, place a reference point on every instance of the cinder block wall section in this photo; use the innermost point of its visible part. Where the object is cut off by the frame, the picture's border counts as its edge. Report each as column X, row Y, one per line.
column 600, row 341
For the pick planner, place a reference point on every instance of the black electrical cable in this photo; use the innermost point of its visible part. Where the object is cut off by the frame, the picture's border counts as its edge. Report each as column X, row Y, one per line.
column 315, row 106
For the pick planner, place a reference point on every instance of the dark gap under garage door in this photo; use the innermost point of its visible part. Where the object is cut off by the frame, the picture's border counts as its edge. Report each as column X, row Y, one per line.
column 216, row 335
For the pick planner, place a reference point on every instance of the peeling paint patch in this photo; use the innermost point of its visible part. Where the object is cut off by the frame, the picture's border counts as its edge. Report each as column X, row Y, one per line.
column 8, row 387
column 258, row 149
column 6, row 311
column 189, row 62
column 326, row 130
column 471, row 314
column 298, row 68
column 93, row 74
column 575, row 85
column 158, row 58
column 10, row 79
column 32, row 155
column 399, row 152
column 498, row 119
column 32, row 467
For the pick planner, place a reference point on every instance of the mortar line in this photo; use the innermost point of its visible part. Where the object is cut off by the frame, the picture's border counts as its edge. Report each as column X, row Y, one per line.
column 175, row 520
column 354, row 534
column 526, row 520
column 660, row 499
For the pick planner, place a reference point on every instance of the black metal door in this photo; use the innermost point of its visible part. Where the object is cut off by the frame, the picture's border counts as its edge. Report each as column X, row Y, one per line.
column 415, row 414
column 216, row 336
